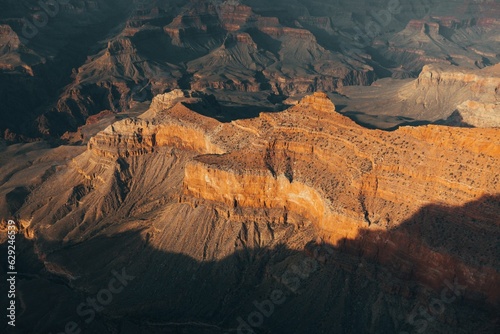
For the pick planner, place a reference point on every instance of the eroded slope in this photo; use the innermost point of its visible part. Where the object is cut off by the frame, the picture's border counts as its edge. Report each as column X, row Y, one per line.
column 221, row 210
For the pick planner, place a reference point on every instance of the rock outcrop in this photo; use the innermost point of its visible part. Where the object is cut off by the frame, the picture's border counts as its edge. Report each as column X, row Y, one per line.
column 319, row 165
column 346, row 179
column 215, row 210
column 40, row 46
column 438, row 39
column 485, row 81
column 141, row 49
column 441, row 94
column 400, row 210
column 476, row 114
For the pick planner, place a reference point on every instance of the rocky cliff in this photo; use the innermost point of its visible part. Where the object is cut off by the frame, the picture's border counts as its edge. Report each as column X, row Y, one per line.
column 347, row 180
column 419, row 205
column 126, row 52
column 437, row 39
column 441, row 94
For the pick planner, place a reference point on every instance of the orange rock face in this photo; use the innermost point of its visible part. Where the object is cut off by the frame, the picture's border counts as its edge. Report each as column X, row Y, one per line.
column 361, row 188
column 399, row 214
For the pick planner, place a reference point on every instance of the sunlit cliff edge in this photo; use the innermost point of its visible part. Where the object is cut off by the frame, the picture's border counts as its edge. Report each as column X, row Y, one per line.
column 359, row 188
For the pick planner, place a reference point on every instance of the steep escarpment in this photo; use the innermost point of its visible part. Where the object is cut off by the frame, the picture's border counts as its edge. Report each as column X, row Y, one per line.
column 484, row 81
column 116, row 79
column 446, row 89
column 194, row 201
column 477, row 114
column 259, row 53
column 207, row 45
column 344, row 179
column 441, row 94
column 438, row 39
column 167, row 123
column 123, row 53
column 39, row 46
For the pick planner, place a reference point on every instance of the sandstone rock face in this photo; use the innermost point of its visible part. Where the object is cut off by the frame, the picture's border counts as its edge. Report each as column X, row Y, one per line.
column 486, row 81
column 156, row 129
column 214, row 207
column 444, row 89
column 440, row 94
column 476, row 114
column 318, row 101
column 37, row 58
column 436, row 39
column 417, row 204
column 125, row 52
column 364, row 165
column 167, row 101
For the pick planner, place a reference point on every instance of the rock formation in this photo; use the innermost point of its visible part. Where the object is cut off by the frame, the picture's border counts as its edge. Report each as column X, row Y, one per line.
column 444, row 94
column 126, row 52
column 224, row 161
column 418, row 206
column 473, row 113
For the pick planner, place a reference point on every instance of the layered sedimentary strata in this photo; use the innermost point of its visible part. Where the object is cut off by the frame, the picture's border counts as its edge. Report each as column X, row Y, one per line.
column 476, row 114
column 485, row 82
column 441, row 93
column 443, row 89
column 40, row 44
column 353, row 184
column 277, row 49
column 403, row 211
column 438, row 39
column 182, row 128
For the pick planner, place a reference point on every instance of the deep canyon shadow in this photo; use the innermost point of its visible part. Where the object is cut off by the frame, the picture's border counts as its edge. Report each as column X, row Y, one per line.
column 356, row 286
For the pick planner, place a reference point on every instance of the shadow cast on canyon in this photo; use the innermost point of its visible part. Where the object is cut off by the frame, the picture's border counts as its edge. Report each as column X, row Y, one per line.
column 392, row 123
column 383, row 122
column 333, row 288
column 229, row 113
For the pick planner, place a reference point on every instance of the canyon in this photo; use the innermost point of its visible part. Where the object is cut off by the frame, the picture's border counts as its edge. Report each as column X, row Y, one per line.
column 326, row 166
column 439, row 95
column 129, row 51
column 198, row 200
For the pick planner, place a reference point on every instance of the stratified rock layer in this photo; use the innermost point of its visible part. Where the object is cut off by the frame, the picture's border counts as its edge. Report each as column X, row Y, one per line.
column 472, row 96
column 345, row 179
column 420, row 204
